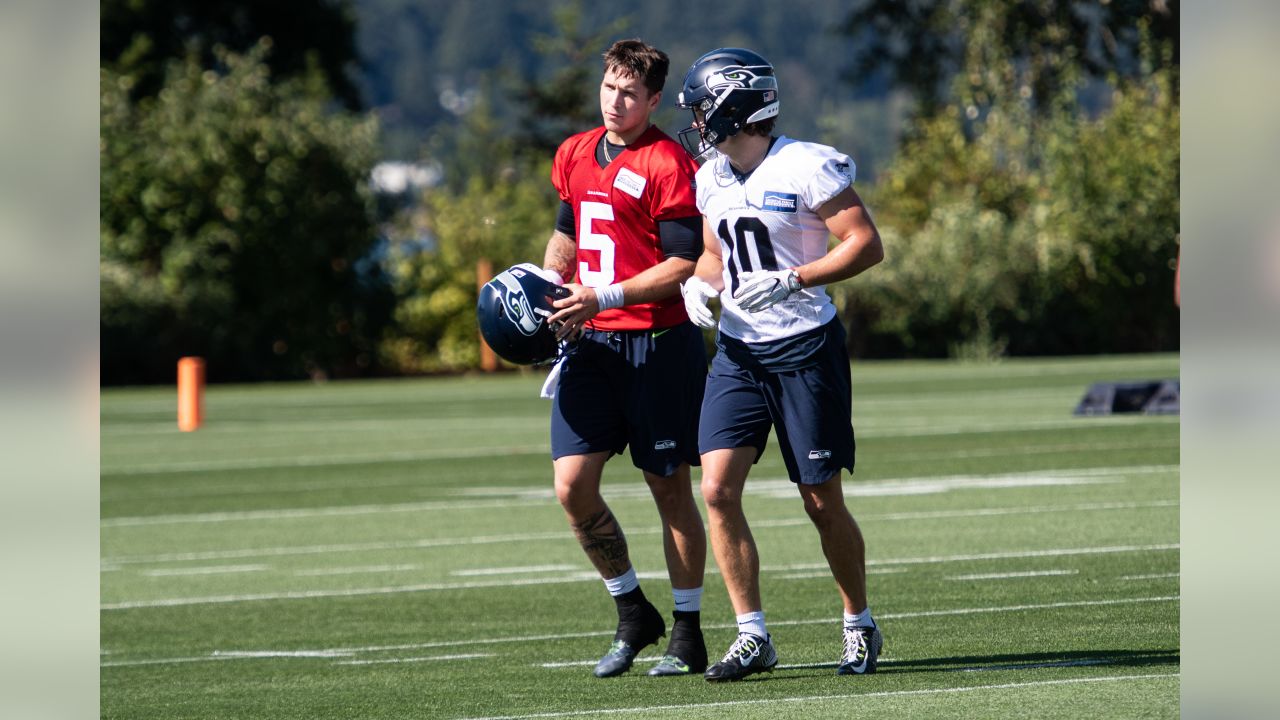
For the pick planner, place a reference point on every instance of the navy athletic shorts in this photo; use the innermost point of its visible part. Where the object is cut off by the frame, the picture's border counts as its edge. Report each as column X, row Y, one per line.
column 800, row 386
column 641, row 388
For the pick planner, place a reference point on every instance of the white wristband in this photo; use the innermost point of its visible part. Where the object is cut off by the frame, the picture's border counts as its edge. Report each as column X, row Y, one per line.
column 609, row 297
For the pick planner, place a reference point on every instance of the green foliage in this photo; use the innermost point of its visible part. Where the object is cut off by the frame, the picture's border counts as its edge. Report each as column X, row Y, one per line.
column 1015, row 224
column 234, row 225
column 922, row 44
column 139, row 37
column 565, row 103
column 501, row 209
column 497, row 204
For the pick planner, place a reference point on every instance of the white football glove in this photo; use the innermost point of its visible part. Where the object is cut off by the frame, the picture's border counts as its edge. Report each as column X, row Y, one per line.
column 697, row 292
column 762, row 289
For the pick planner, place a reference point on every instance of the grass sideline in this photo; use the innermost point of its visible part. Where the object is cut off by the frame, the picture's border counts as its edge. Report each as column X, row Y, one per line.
column 392, row 549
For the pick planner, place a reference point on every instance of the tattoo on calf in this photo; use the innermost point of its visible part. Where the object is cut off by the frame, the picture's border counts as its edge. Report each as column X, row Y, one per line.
column 602, row 539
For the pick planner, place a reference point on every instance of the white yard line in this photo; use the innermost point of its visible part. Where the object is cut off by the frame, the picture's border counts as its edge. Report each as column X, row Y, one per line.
column 264, row 486
column 912, row 427
column 1007, row 575
column 361, row 569
column 291, row 513
column 324, row 460
column 432, row 658
column 591, row 576
column 514, row 570
column 524, row 639
column 877, row 488
column 1025, row 510
column 647, row 710
column 255, row 654
column 341, row 548
column 1157, row 576
column 825, row 572
column 114, row 563
column 211, row 570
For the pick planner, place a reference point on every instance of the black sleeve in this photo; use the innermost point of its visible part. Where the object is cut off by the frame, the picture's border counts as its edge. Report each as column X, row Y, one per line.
column 681, row 237
column 565, row 221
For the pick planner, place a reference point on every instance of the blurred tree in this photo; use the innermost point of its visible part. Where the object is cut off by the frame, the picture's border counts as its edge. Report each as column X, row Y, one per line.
column 496, row 202
column 235, row 224
column 567, row 102
column 1029, row 228
column 138, row 38
column 497, row 205
column 921, row 43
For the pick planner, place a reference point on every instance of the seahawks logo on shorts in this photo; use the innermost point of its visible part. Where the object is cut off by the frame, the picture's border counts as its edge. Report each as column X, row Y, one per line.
column 665, row 445
column 819, row 454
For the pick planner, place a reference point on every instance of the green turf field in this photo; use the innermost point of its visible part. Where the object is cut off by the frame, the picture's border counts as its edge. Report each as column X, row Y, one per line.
column 393, row 549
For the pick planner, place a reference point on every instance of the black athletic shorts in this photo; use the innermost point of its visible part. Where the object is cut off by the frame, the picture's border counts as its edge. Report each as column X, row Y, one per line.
column 798, row 386
column 641, row 388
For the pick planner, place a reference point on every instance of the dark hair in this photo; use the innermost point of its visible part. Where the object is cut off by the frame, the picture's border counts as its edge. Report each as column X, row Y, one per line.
column 636, row 58
column 763, row 128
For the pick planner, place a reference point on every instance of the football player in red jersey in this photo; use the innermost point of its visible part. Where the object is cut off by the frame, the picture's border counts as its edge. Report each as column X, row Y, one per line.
column 633, row 368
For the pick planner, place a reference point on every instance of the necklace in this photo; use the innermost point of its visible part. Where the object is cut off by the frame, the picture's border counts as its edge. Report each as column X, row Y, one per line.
column 607, row 157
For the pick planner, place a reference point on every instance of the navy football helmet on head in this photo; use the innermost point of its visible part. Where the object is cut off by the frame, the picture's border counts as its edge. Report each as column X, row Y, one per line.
column 513, row 311
column 726, row 89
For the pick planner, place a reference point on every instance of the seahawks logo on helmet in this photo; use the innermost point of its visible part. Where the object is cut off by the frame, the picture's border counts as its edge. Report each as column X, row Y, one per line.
column 520, row 312
column 512, row 312
column 726, row 89
column 730, row 77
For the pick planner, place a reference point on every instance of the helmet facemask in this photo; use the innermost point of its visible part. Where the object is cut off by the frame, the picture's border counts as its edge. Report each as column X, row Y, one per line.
column 698, row 140
column 726, row 90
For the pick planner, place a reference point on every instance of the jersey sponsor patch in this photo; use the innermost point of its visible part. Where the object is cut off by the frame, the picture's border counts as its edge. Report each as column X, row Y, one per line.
column 629, row 183
column 779, row 201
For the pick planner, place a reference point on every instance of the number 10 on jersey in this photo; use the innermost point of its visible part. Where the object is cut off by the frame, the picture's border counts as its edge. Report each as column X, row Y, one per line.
column 746, row 256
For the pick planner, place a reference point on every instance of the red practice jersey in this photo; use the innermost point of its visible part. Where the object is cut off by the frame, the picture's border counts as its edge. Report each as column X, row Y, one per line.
column 617, row 210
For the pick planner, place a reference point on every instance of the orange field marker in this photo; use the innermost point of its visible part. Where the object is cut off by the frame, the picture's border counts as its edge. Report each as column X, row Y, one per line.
column 488, row 358
column 190, row 393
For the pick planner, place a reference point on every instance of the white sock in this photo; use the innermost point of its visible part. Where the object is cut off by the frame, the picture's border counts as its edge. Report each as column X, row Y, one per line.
column 753, row 622
column 862, row 619
column 687, row 600
column 624, row 583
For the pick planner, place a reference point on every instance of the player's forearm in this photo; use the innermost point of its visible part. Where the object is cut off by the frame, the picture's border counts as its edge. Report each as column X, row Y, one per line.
column 560, row 255
column 711, row 269
column 851, row 257
column 658, row 282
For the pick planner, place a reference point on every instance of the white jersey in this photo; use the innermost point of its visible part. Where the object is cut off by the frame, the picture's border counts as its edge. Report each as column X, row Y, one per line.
column 769, row 222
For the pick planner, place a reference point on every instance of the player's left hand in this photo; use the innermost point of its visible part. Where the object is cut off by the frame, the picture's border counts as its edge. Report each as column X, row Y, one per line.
column 573, row 312
column 762, row 289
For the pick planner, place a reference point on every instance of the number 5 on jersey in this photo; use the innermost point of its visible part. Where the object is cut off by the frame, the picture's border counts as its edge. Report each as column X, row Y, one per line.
column 591, row 240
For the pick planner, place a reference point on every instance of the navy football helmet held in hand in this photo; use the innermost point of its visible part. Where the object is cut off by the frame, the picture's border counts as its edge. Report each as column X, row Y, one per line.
column 726, row 89
column 513, row 311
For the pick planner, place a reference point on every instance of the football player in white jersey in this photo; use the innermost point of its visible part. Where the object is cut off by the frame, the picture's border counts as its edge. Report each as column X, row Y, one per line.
column 769, row 205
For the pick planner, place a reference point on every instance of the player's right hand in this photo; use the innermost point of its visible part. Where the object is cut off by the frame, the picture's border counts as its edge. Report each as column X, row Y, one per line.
column 697, row 292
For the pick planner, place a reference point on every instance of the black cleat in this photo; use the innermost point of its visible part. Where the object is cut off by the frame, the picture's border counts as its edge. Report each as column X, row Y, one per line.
column 686, row 653
column 861, row 651
column 748, row 655
column 639, row 626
